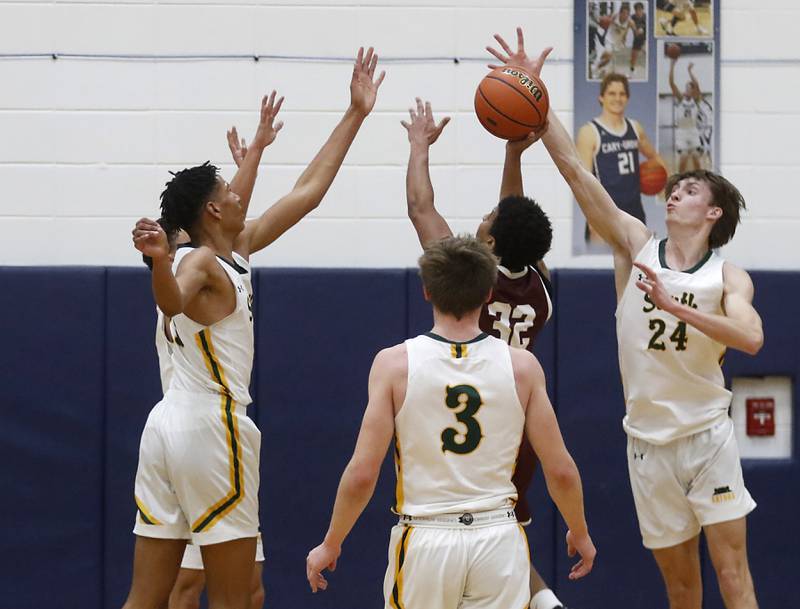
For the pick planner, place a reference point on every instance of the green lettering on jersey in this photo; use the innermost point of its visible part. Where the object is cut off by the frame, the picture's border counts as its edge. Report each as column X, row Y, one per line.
column 468, row 397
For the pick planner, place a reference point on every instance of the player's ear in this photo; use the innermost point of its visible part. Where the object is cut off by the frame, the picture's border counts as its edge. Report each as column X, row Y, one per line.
column 715, row 212
column 213, row 209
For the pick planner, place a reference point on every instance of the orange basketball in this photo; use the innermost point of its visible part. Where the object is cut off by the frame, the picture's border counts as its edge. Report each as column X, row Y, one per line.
column 652, row 177
column 511, row 103
column 605, row 21
column 672, row 50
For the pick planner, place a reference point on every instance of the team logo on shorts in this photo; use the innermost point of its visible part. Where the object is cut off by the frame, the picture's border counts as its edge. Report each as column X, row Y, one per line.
column 723, row 493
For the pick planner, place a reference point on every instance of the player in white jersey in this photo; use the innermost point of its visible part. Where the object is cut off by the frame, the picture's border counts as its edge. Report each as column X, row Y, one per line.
column 679, row 307
column 614, row 42
column 688, row 144
column 457, row 402
column 678, row 10
column 198, row 463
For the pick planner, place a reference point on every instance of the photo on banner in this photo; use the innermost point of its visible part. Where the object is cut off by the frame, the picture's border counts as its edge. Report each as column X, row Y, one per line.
column 631, row 129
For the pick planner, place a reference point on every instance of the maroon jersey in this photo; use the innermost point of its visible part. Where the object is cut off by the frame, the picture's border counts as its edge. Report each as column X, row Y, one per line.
column 518, row 310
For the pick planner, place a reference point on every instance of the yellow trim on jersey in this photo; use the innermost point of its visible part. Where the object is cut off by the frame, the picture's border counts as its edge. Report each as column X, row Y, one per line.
column 206, row 346
column 236, row 470
column 464, row 350
column 458, row 350
column 396, row 598
column 398, row 471
column 525, row 537
column 144, row 513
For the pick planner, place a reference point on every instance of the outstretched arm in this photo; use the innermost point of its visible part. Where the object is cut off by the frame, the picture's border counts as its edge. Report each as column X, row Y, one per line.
column 247, row 158
column 511, row 184
column 315, row 181
column 422, row 133
column 698, row 95
column 622, row 231
column 361, row 474
column 676, row 92
column 739, row 327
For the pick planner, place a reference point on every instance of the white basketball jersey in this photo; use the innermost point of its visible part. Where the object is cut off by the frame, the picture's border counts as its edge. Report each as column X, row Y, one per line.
column 687, row 114
column 217, row 358
column 616, row 32
column 671, row 372
column 164, row 346
column 459, row 430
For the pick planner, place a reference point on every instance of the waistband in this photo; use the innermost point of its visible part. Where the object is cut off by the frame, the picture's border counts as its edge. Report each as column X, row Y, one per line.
column 197, row 399
column 462, row 520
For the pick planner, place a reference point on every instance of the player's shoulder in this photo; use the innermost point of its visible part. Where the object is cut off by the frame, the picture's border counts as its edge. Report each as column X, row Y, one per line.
column 391, row 360
column 735, row 277
column 526, row 365
column 198, row 256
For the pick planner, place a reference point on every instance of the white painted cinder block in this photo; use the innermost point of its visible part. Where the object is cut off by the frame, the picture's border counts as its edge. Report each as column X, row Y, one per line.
column 780, row 388
column 91, row 141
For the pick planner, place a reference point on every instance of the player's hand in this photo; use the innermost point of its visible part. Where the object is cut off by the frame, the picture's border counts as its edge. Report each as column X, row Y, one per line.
column 583, row 546
column 322, row 557
column 363, row 85
column 652, row 286
column 150, row 239
column 423, row 129
column 521, row 145
column 237, row 147
column 520, row 58
column 268, row 127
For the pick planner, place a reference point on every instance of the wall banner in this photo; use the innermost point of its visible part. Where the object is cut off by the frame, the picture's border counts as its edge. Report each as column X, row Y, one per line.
column 646, row 101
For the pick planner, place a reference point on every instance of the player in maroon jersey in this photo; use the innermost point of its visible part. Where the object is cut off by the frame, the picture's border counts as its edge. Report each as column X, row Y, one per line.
column 520, row 234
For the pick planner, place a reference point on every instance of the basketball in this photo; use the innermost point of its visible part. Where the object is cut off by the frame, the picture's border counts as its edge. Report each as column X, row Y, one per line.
column 673, row 51
column 605, row 21
column 511, row 103
column 652, row 177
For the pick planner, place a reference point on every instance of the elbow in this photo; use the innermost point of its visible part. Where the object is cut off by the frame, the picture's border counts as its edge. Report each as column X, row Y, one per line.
column 563, row 475
column 570, row 169
column 362, row 478
column 171, row 310
column 754, row 343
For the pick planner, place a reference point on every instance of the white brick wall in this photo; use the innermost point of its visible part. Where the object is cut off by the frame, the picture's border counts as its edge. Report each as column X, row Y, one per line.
column 86, row 145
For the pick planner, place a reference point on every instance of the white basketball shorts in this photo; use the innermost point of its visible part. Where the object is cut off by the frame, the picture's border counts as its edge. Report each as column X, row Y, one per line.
column 198, row 470
column 687, row 484
column 688, row 141
column 457, row 568
column 193, row 558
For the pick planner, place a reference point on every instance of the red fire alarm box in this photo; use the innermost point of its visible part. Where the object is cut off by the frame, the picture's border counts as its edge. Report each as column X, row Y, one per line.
column 760, row 416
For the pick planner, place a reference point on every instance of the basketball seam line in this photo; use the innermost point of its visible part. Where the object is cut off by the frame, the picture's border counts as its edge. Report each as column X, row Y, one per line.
column 534, row 106
column 493, row 107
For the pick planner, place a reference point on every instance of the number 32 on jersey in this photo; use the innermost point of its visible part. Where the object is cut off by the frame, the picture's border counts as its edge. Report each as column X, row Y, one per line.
column 512, row 322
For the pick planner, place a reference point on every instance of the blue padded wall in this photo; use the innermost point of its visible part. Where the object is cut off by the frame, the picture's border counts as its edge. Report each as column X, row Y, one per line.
column 51, row 439
column 81, row 377
column 317, row 333
column 133, row 386
column 590, row 411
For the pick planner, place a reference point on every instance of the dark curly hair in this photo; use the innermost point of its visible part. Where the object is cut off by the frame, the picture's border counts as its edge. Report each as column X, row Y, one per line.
column 723, row 195
column 522, row 232
column 184, row 196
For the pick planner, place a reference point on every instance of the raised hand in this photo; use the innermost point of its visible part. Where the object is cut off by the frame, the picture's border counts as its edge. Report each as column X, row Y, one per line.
column 363, row 85
column 267, row 127
column 520, row 146
column 423, row 129
column 519, row 58
column 150, row 239
column 238, row 148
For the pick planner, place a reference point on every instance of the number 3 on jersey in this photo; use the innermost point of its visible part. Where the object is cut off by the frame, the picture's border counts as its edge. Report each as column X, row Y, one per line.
column 468, row 397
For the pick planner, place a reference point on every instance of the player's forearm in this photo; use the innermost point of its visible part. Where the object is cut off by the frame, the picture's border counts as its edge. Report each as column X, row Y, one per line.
column 419, row 189
column 318, row 176
column 564, row 486
column 245, row 179
column 512, row 175
column 166, row 291
column 733, row 333
column 355, row 491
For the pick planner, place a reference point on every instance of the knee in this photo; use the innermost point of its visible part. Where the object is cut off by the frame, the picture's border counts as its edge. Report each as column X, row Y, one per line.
column 733, row 580
column 684, row 593
column 186, row 593
column 257, row 597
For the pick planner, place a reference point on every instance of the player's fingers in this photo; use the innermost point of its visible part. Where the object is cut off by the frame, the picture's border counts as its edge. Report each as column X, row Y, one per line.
column 411, row 114
column 497, row 54
column 429, row 110
column 332, row 566
column 359, row 57
column 420, row 107
column 520, row 40
column 443, row 123
column 644, row 287
column 543, row 55
column 380, row 78
column 367, row 59
column 372, row 65
column 406, row 125
column 277, row 126
column 492, row 66
column 278, row 105
column 503, row 43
